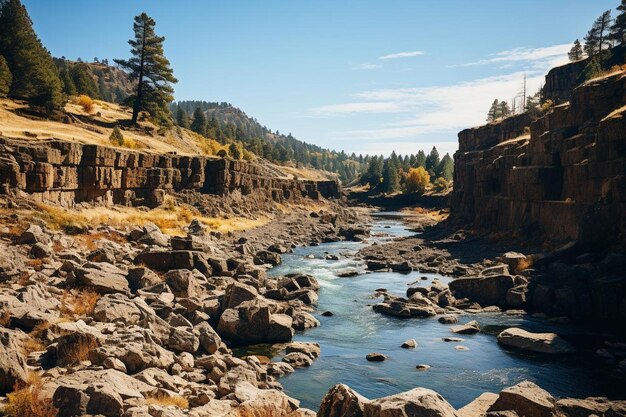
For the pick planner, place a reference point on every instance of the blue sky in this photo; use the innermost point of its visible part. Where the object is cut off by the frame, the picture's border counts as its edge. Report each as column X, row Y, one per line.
column 365, row 76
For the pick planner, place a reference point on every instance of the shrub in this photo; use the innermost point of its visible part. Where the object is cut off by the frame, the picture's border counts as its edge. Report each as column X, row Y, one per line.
column 417, row 180
column 441, row 184
column 547, row 105
column 86, row 103
column 28, row 400
column 78, row 304
column 222, row 153
column 234, row 151
column 117, row 138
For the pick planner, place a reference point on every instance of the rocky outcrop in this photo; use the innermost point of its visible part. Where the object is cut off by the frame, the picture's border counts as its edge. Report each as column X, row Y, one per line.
column 520, row 176
column 547, row 343
column 67, row 173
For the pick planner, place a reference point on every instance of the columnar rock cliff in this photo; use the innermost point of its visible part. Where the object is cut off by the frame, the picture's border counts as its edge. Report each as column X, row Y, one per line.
column 67, row 173
column 561, row 176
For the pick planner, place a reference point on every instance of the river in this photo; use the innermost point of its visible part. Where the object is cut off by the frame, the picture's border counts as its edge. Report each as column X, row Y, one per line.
column 356, row 330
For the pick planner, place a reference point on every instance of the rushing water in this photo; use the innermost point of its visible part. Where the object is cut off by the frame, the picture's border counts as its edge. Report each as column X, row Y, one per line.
column 355, row 330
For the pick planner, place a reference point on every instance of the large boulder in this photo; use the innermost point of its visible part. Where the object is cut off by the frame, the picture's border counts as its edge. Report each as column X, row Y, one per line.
column 527, row 400
column 489, row 290
column 253, row 322
column 266, row 257
column 342, row 401
column 13, row 367
column 420, row 402
column 103, row 278
column 548, row 343
column 34, row 234
column 184, row 283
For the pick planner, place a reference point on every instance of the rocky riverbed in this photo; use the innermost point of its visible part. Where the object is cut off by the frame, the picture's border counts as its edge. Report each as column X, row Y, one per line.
column 130, row 321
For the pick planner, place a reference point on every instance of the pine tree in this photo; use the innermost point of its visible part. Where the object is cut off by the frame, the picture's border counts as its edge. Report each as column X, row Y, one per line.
column 68, row 84
column 446, row 168
column 35, row 76
column 505, row 110
column 421, row 159
column 391, row 181
column 83, row 80
column 149, row 67
column 598, row 36
column 576, row 53
column 182, row 119
column 5, row 78
column 116, row 138
column 198, row 124
column 432, row 161
column 618, row 30
column 494, row 111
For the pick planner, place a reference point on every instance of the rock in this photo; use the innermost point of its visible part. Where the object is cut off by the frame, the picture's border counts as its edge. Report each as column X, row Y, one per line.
column 310, row 349
column 34, row 234
column 279, row 369
column 448, row 319
column 348, row 273
column 303, row 320
column 409, row 344
column 468, row 328
column 590, row 406
column 102, row 255
column 375, row 357
column 342, row 401
column 486, row 291
column 461, row 347
column 114, row 363
column 516, row 262
column 298, row 360
column 417, row 402
column 266, row 257
column 452, row 339
column 117, row 307
column 142, row 277
column 13, row 366
column 184, row 283
column 252, row 322
column 40, row 251
column 527, row 400
column 328, row 314
column 479, row 406
column 209, row 339
column 103, row 278
column 548, row 343
column 183, row 339
column 422, row 367
column 153, row 236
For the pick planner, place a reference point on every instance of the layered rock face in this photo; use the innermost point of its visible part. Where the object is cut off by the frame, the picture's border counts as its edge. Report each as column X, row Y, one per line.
column 561, row 176
column 67, row 173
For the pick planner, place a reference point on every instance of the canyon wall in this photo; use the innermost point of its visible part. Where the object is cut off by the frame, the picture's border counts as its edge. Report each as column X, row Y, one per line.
column 68, row 173
column 560, row 177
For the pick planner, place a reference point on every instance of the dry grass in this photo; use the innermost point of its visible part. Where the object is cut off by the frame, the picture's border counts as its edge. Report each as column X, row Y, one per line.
column 28, row 400
column 78, row 303
column 171, row 219
column 33, row 344
column 165, row 400
column 76, row 351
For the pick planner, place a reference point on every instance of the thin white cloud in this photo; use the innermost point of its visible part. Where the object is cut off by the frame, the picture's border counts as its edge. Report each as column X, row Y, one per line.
column 366, row 66
column 360, row 107
column 402, row 55
column 526, row 55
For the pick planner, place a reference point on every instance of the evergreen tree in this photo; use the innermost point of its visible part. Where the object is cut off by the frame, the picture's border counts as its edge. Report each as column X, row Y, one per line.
column 83, row 80
column 234, row 151
column 432, row 161
column 182, row 119
column 420, row 159
column 618, row 30
column 391, row 182
column 117, row 138
column 5, row 78
column 68, row 84
column 494, row 111
column 446, row 168
column 35, row 76
column 149, row 67
column 198, row 124
column 598, row 36
column 505, row 110
column 576, row 53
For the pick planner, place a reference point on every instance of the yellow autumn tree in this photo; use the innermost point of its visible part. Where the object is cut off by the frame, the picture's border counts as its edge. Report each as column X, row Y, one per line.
column 417, row 180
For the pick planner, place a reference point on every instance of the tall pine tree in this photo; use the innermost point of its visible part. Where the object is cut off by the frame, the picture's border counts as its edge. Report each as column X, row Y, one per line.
column 618, row 30
column 35, row 76
column 432, row 161
column 494, row 111
column 391, row 181
column 149, row 67
column 598, row 35
column 198, row 124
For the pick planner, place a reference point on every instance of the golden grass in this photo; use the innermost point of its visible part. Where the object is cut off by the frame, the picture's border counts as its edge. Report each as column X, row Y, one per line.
column 33, row 344
column 5, row 317
column 28, row 400
column 78, row 303
column 165, row 400
column 76, row 352
column 171, row 218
